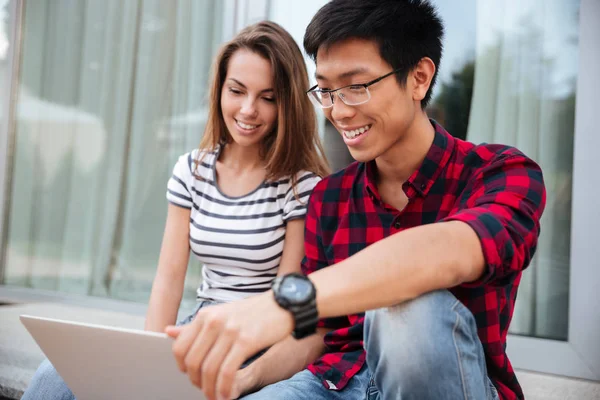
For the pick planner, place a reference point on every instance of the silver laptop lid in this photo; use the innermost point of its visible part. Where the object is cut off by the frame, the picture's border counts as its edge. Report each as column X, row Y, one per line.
column 102, row 362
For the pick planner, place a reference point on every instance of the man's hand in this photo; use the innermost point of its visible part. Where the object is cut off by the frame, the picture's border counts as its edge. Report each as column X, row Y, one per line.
column 214, row 345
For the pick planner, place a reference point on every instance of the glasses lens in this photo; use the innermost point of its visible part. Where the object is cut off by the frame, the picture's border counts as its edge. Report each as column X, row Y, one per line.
column 353, row 95
column 321, row 99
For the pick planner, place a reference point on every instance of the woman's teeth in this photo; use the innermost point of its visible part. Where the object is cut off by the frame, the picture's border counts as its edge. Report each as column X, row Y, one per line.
column 356, row 132
column 246, row 126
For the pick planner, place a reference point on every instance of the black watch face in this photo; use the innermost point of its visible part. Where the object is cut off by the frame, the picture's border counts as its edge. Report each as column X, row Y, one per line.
column 296, row 290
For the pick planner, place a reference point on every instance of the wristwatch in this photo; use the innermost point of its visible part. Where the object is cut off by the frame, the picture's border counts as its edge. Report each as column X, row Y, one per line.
column 297, row 294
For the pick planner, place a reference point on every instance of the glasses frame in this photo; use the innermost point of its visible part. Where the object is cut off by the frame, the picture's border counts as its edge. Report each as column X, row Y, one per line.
column 315, row 89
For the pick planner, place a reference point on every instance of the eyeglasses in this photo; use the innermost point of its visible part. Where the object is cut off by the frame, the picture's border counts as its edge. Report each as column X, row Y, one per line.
column 351, row 95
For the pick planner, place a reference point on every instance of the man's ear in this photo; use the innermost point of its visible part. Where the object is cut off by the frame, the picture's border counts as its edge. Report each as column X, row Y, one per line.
column 421, row 77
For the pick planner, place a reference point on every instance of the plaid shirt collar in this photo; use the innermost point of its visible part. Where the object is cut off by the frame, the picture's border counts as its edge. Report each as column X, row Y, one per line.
column 422, row 179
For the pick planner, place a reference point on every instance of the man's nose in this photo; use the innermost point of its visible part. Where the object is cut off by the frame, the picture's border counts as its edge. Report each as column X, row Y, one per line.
column 340, row 110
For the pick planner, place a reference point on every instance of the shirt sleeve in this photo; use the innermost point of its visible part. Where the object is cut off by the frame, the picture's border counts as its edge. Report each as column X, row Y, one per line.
column 181, row 182
column 296, row 201
column 503, row 204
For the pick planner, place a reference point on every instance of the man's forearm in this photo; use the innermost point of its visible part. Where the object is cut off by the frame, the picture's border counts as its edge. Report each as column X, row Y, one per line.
column 284, row 359
column 399, row 268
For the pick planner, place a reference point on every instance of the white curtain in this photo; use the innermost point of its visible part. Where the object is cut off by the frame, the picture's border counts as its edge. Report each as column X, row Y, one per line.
column 111, row 93
column 524, row 95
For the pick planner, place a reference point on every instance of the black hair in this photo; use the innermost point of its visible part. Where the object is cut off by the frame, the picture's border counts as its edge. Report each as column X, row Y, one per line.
column 405, row 30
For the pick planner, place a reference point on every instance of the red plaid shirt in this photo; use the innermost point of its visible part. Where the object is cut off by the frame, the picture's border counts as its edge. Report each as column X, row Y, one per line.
column 495, row 189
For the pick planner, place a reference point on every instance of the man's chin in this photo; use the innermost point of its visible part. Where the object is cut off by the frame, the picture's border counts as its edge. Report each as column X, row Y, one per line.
column 361, row 155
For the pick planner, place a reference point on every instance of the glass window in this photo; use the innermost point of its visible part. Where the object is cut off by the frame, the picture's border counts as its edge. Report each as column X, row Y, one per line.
column 110, row 94
column 509, row 76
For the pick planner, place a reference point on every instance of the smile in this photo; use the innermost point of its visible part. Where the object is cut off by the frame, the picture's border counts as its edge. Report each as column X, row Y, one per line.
column 356, row 132
column 246, row 126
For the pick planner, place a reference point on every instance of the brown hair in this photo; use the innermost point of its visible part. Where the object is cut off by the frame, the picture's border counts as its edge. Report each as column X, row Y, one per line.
column 294, row 144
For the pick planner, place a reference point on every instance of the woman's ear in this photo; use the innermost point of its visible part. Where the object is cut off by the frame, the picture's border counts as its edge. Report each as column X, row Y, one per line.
column 421, row 77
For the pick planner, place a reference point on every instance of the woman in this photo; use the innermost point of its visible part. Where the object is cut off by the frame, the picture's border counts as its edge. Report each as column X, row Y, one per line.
column 238, row 202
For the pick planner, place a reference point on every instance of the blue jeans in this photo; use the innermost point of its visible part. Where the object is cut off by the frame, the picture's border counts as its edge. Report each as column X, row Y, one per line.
column 423, row 349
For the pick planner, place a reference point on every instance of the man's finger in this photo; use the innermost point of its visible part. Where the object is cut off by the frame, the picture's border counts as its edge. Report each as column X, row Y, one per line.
column 202, row 343
column 212, row 363
column 238, row 353
column 184, row 341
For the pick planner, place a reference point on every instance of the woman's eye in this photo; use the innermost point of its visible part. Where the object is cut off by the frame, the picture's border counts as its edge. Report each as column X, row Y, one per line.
column 235, row 91
column 269, row 99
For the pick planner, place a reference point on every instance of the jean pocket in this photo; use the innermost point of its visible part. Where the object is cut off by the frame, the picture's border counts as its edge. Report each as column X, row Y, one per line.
column 372, row 391
column 493, row 391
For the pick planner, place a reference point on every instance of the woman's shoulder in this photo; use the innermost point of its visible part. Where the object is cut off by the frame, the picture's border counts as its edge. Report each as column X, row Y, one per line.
column 305, row 180
column 196, row 160
column 304, row 175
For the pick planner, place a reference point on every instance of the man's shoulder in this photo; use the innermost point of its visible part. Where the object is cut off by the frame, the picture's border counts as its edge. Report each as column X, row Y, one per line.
column 486, row 154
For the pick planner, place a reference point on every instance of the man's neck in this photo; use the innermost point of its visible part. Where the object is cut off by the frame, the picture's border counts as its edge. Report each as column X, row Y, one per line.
column 406, row 156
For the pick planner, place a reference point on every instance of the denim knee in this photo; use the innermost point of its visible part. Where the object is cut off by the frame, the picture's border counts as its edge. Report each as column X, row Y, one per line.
column 423, row 346
column 47, row 384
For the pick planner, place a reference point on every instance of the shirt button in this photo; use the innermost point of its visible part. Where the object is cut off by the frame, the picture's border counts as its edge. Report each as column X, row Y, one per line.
column 397, row 224
column 423, row 186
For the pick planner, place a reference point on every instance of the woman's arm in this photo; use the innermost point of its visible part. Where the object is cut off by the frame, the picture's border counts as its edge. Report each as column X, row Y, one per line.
column 293, row 247
column 289, row 356
column 167, row 288
column 282, row 361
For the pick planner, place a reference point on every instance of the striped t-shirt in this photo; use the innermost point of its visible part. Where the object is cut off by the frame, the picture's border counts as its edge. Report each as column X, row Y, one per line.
column 238, row 239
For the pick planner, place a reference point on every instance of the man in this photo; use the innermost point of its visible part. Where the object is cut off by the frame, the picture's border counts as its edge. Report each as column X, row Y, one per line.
column 425, row 233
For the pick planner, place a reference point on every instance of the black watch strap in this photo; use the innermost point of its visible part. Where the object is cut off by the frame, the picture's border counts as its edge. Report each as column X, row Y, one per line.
column 305, row 319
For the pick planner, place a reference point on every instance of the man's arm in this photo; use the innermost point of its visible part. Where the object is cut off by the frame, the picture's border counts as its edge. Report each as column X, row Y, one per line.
column 493, row 235
column 449, row 254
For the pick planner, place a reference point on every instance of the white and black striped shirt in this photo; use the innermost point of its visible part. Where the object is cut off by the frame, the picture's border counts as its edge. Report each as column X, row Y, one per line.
column 238, row 239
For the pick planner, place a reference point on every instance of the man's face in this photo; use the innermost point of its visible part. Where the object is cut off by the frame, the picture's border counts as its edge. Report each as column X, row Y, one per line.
column 370, row 129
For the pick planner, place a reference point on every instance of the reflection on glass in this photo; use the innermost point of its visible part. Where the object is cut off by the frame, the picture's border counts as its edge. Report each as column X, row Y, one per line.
column 3, row 30
column 4, row 62
column 111, row 93
column 509, row 76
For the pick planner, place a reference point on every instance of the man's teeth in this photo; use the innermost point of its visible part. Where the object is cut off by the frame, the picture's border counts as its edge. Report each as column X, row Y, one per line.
column 246, row 126
column 356, row 132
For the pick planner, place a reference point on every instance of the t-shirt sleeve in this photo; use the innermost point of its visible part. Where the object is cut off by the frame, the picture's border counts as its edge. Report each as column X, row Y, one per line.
column 181, row 182
column 295, row 202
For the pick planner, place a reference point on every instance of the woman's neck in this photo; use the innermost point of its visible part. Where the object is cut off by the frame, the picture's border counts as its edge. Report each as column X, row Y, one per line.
column 241, row 158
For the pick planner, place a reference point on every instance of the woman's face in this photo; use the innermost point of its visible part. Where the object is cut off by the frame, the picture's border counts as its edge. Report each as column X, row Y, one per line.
column 247, row 98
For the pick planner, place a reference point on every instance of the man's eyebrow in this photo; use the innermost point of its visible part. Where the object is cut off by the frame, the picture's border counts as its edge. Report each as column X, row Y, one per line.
column 244, row 86
column 344, row 75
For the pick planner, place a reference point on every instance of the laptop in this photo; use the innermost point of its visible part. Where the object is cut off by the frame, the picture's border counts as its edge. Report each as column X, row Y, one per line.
column 102, row 362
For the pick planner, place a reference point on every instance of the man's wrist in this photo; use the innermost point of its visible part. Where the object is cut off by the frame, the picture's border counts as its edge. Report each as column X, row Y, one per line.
column 296, row 294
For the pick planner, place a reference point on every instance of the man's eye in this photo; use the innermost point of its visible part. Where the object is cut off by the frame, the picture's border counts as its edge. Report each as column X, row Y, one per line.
column 358, row 88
